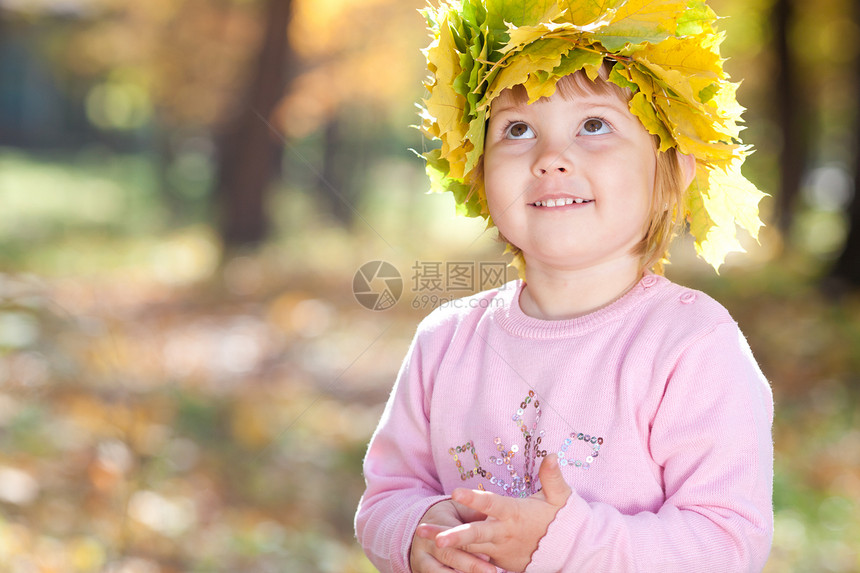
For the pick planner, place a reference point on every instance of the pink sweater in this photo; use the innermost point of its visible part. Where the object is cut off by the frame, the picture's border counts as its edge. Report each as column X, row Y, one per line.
column 654, row 405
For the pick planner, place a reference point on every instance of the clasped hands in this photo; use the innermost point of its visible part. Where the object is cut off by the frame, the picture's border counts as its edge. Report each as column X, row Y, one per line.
column 476, row 531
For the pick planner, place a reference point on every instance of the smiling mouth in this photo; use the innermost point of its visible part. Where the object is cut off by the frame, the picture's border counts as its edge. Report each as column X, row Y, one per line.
column 561, row 202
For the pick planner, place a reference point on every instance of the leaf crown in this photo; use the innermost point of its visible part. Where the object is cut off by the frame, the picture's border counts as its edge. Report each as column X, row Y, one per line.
column 665, row 51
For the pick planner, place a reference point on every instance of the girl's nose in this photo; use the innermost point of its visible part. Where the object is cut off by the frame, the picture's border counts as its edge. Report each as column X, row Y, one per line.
column 557, row 168
column 553, row 158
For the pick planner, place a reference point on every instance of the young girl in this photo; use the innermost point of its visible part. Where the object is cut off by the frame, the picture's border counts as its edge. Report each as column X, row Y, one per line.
column 592, row 416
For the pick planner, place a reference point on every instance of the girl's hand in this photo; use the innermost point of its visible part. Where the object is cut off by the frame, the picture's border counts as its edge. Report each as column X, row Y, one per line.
column 514, row 527
column 427, row 557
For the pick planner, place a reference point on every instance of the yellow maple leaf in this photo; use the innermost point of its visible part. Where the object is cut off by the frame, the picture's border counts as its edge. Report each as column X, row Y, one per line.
column 738, row 199
column 638, row 21
column 694, row 207
column 523, row 36
column 682, row 64
column 712, row 242
column 645, row 82
column 537, row 88
column 542, row 56
column 589, row 13
column 642, row 108
column 719, row 242
column 475, row 135
column 693, row 127
column 714, row 216
column 444, row 104
column 725, row 103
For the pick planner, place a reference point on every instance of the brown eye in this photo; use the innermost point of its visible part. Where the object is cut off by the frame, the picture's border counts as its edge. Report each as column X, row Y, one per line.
column 595, row 126
column 519, row 130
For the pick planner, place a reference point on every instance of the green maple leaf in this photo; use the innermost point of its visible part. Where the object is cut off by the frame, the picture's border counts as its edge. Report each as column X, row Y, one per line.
column 696, row 19
column 619, row 77
column 469, row 200
column 524, row 12
column 577, row 59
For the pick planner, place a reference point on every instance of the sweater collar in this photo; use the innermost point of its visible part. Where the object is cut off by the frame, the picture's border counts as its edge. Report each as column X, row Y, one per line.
column 511, row 317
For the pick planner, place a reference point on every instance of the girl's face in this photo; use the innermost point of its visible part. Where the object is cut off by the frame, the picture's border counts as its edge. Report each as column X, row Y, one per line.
column 569, row 180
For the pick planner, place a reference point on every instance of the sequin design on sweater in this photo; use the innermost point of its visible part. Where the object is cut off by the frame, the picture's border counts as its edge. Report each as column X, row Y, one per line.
column 510, row 482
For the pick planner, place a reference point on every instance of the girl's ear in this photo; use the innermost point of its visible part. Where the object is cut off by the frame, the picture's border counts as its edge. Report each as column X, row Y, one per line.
column 688, row 168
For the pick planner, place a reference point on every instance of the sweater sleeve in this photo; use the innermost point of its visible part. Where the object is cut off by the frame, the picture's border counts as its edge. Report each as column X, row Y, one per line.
column 401, row 478
column 711, row 435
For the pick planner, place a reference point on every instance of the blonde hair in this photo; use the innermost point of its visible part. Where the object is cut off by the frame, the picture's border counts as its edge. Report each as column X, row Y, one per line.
column 667, row 199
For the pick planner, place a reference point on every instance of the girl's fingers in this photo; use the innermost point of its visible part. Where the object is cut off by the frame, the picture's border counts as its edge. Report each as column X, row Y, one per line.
column 480, row 533
column 467, row 514
column 450, row 558
column 555, row 488
column 429, row 530
column 430, row 565
column 489, row 504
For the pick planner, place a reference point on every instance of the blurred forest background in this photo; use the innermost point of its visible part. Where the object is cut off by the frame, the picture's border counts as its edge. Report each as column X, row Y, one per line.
column 187, row 189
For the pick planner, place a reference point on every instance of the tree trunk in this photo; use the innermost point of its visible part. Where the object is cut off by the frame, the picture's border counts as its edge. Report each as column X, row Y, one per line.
column 846, row 272
column 343, row 165
column 790, row 110
column 250, row 149
column 334, row 184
